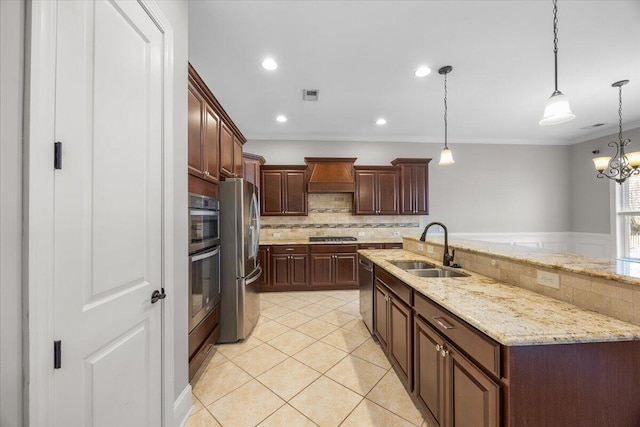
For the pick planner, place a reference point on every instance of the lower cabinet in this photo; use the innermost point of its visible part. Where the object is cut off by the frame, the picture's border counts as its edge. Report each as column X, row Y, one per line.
column 393, row 323
column 453, row 390
column 334, row 266
column 289, row 267
column 264, row 259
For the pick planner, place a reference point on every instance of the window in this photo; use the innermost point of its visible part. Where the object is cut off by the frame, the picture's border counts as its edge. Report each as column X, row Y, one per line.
column 628, row 218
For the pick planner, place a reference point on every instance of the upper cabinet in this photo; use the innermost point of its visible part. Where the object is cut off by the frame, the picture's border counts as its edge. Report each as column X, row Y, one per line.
column 414, row 186
column 214, row 142
column 251, row 167
column 377, row 189
column 283, row 190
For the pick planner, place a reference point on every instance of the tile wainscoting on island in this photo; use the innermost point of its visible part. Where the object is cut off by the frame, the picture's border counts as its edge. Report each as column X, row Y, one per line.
column 588, row 283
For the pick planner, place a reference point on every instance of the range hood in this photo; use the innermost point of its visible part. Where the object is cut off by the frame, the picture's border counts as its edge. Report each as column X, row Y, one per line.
column 331, row 174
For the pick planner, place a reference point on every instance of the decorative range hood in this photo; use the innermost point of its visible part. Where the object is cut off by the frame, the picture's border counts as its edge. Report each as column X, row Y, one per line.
column 331, row 174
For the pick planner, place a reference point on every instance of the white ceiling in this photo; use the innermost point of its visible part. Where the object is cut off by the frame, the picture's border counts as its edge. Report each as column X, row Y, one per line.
column 361, row 55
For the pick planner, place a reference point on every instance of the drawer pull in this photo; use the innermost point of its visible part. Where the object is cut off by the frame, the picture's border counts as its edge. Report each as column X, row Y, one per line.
column 207, row 350
column 288, row 249
column 440, row 321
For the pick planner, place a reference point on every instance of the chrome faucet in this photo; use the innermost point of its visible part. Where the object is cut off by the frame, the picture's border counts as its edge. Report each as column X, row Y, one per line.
column 446, row 258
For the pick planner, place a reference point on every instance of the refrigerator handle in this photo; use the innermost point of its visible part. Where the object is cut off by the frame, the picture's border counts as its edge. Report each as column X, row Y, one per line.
column 255, row 277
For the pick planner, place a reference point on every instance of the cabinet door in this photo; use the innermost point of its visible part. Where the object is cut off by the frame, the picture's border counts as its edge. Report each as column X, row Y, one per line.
column 299, row 270
column 407, row 178
column 400, row 338
column 211, row 145
column 264, row 253
column 387, row 193
column 380, row 317
column 346, row 266
column 280, row 270
column 272, row 197
column 322, row 269
column 226, row 151
column 295, row 193
column 474, row 397
column 428, row 376
column 421, row 189
column 251, row 171
column 237, row 158
column 195, row 131
column 365, row 193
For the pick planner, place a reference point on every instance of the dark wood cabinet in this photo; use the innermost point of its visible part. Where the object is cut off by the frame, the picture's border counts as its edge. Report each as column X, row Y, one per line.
column 264, row 259
column 226, row 151
column 251, row 168
column 453, row 390
column 414, row 186
column 377, row 190
column 334, row 266
column 283, row 190
column 289, row 267
column 214, row 142
column 238, row 164
column 393, row 323
column 203, row 125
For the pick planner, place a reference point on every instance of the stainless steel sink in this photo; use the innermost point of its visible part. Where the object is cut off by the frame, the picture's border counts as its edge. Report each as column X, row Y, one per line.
column 412, row 265
column 435, row 272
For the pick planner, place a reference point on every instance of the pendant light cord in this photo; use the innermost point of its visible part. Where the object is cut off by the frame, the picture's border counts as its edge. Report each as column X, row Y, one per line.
column 555, row 40
column 445, row 111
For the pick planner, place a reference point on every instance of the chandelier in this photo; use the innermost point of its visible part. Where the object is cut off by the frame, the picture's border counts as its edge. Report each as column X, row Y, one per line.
column 446, row 157
column 621, row 166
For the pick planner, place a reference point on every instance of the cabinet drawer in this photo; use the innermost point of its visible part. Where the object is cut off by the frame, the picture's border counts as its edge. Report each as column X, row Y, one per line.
column 292, row 249
column 315, row 249
column 371, row 246
column 397, row 286
column 478, row 346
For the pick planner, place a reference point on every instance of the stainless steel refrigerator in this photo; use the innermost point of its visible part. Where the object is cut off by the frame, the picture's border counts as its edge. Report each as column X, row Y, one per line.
column 240, row 269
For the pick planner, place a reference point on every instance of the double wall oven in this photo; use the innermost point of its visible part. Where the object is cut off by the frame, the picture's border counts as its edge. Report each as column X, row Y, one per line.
column 204, row 257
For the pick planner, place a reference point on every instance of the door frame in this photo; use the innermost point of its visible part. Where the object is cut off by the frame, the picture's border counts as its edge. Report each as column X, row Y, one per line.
column 39, row 117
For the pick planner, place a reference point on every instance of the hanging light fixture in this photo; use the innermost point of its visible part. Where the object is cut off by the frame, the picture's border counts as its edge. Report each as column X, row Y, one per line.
column 446, row 158
column 621, row 166
column 557, row 109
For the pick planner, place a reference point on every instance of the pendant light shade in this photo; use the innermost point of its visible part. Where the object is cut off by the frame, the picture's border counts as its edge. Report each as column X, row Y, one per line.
column 557, row 110
column 446, row 158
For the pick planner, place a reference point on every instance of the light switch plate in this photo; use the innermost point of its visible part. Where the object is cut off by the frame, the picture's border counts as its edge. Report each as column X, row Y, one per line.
column 360, row 233
column 551, row 280
column 430, row 249
column 420, row 247
column 276, row 234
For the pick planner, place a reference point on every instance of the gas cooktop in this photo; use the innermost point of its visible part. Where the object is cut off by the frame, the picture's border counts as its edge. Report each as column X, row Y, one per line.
column 333, row 239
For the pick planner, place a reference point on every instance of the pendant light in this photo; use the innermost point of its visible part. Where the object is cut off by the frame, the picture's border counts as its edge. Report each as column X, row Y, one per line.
column 557, row 109
column 621, row 166
column 446, row 157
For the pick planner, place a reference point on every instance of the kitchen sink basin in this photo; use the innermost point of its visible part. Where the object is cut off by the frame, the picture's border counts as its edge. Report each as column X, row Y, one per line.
column 412, row 265
column 435, row 272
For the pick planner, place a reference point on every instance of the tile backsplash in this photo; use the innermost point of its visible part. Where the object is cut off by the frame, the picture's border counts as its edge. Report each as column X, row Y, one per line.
column 331, row 214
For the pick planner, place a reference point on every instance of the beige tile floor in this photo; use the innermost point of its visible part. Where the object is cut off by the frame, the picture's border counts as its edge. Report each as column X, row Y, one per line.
column 310, row 361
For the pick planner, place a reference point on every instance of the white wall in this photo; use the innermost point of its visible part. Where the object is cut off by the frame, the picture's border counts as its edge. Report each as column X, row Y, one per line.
column 490, row 188
column 11, row 84
column 177, row 12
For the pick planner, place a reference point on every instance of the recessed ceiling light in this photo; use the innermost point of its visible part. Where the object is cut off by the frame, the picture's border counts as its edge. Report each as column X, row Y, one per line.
column 281, row 118
column 381, row 121
column 269, row 64
column 422, row 71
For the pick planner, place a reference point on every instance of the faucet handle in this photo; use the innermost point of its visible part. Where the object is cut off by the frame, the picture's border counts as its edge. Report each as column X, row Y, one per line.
column 453, row 254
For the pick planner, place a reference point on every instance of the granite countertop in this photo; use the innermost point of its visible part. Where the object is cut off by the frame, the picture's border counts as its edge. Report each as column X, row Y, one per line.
column 604, row 268
column 305, row 241
column 510, row 315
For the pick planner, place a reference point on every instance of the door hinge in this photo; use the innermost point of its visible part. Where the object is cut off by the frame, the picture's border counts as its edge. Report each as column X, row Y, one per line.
column 57, row 354
column 57, row 155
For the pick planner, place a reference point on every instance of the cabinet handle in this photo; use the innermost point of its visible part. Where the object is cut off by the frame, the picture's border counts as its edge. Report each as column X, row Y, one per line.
column 288, row 249
column 440, row 321
column 444, row 352
column 438, row 348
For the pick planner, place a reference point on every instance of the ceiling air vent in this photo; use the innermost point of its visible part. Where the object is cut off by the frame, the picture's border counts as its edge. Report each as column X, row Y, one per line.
column 597, row 125
column 310, row 94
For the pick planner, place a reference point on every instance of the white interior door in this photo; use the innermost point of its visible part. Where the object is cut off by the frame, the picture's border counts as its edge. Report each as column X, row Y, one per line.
column 108, row 215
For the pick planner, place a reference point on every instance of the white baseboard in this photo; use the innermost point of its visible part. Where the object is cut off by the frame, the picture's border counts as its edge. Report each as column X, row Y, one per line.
column 182, row 407
column 589, row 244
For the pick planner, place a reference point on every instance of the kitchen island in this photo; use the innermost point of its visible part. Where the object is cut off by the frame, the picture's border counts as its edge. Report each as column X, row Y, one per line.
column 478, row 351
